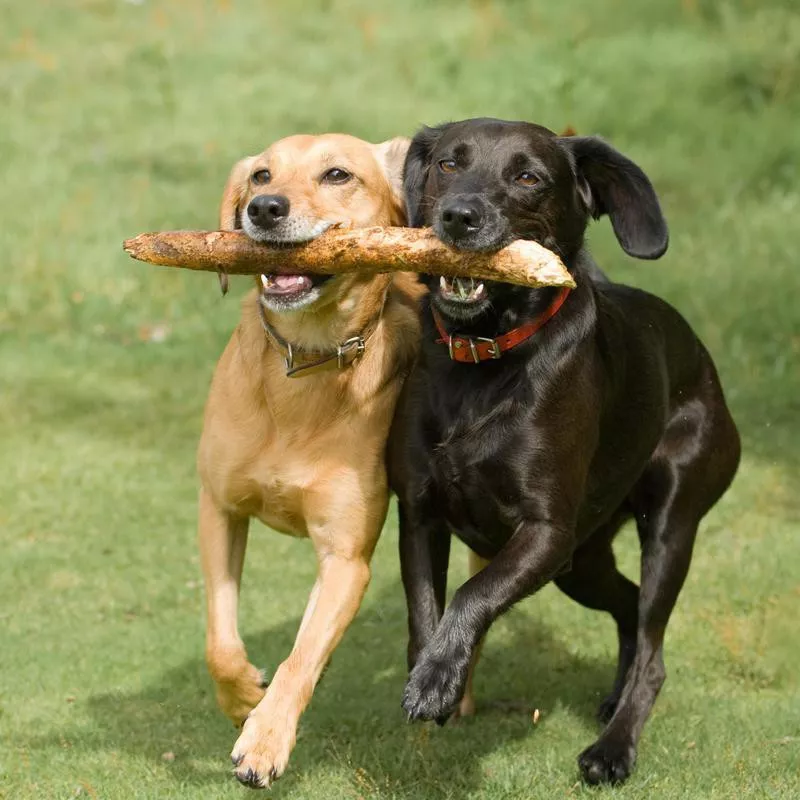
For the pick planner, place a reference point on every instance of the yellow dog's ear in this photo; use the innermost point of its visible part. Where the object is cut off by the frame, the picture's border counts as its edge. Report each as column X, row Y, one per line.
column 234, row 193
column 391, row 156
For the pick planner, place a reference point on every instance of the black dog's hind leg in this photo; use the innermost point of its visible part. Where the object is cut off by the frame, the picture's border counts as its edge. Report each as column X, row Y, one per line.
column 689, row 471
column 667, row 540
column 424, row 558
column 595, row 582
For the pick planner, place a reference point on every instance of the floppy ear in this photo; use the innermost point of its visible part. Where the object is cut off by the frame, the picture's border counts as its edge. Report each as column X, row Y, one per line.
column 233, row 194
column 612, row 184
column 390, row 156
column 415, row 171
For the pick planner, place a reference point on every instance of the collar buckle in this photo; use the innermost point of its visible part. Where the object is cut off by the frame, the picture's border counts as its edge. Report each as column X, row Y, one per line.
column 495, row 350
column 497, row 346
column 456, row 342
column 346, row 346
column 299, row 362
column 288, row 359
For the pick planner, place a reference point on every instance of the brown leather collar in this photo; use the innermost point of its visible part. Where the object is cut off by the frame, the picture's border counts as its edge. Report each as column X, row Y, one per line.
column 468, row 350
column 301, row 363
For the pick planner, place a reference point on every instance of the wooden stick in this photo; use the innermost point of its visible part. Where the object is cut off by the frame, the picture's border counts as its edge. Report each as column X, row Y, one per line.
column 365, row 250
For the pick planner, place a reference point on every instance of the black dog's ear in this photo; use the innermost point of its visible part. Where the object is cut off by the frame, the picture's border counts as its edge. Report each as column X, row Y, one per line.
column 619, row 188
column 415, row 170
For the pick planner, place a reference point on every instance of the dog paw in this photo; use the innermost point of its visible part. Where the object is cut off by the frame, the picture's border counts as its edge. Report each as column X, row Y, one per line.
column 434, row 689
column 261, row 753
column 237, row 698
column 607, row 762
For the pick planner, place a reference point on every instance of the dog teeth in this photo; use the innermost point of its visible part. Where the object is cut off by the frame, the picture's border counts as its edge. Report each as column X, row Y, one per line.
column 464, row 287
column 466, row 290
column 300, row 280
column 265, row 281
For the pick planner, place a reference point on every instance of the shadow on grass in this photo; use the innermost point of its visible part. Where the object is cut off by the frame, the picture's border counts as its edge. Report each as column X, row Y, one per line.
column 355, row 721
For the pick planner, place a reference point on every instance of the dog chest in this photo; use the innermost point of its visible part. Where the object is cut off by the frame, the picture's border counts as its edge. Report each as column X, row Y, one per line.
column 479, row 497
column 275, row 497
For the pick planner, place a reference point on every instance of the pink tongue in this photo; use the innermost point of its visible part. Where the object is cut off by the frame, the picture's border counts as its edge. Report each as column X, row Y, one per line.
column 286, row 281
column 290, row 283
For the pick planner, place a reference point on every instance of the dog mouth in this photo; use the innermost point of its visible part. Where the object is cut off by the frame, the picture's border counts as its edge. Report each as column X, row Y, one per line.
column 287, row 292
column 464, row 291
column 287, row 289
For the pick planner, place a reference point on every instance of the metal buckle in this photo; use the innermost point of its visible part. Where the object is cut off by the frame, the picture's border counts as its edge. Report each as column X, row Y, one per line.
column 496, row 352
column 355, row 341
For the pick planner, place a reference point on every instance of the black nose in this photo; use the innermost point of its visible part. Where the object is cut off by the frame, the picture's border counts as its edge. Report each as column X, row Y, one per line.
column 267, row 210
column 460, row 218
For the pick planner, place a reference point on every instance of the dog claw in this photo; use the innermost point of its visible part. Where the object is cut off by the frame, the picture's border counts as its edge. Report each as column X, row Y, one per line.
column 607, row 762
column 250, row 778
column 433, row 691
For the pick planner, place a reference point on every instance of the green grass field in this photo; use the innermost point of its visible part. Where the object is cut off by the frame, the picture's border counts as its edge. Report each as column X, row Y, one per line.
column 119, row 117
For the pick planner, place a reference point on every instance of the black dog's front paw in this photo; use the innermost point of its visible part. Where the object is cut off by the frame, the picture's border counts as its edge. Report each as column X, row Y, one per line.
column 435, row 687
column 607, row 762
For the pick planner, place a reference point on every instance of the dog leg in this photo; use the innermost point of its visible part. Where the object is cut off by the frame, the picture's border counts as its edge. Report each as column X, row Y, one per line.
column 262, row 751
column 594, row 582
column 531, row 557
column 691, row 468
column 666, row 553
column 424, row 558
column 466, row 708
column 223, row 540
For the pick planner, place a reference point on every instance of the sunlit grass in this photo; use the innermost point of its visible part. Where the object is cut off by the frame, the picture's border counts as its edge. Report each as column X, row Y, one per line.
column 120, row 117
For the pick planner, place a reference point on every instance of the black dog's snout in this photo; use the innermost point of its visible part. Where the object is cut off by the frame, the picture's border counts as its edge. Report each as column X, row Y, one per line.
column 461, row 217
column 267, row 210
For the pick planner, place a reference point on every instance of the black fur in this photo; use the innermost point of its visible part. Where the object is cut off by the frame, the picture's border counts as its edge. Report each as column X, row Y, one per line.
column 612, row 411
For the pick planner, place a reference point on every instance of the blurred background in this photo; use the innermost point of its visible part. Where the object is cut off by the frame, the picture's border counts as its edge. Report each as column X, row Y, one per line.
column 124, row 116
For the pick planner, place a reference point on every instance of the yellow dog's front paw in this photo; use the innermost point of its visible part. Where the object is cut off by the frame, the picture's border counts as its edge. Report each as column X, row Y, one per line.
column 261, row 753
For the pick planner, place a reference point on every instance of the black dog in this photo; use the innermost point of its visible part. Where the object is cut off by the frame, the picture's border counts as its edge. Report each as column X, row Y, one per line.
column 536, row 423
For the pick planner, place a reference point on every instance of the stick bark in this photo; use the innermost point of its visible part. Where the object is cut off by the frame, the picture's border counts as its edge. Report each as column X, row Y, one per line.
column 365, row 250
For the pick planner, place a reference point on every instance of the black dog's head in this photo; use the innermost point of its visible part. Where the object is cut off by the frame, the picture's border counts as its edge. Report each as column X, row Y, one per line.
column 482, row 183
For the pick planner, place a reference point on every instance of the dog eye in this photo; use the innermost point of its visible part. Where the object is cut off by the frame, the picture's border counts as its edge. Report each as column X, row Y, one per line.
column 336, row 175
column 261, row 177
column 447, row 165
column 526, row 179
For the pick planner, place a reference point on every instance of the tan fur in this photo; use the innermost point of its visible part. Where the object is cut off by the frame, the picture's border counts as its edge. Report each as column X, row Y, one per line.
column 466, row 708
column 304, row 455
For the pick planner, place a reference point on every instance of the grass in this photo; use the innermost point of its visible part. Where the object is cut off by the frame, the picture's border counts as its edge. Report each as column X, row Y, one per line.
column 125, row 116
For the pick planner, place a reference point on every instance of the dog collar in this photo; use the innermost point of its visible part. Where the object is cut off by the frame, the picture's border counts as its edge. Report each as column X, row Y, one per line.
column 474, row 349
column 301, row 363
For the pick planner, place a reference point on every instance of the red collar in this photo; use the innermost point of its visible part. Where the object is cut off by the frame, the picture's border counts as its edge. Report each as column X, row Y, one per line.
column 473, row 351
